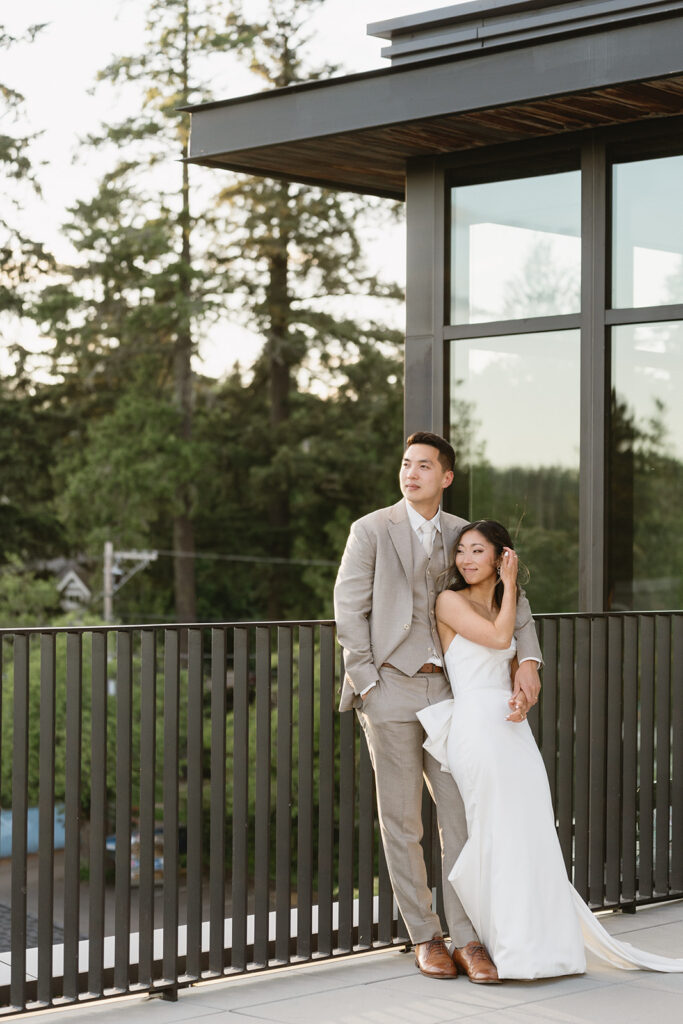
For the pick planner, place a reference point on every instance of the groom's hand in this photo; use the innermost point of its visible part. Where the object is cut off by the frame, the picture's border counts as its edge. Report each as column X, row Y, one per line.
column 526, row 684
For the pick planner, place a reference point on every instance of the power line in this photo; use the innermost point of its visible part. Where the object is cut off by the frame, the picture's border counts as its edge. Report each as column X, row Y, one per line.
column 267, row 559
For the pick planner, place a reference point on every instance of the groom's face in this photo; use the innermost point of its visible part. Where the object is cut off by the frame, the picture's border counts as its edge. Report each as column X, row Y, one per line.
column 422, row 477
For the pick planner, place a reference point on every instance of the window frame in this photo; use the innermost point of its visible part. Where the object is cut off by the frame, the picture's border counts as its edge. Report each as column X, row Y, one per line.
column 594, row 153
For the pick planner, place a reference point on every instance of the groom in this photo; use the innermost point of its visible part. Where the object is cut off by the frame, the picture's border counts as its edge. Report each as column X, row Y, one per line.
column 384, row 606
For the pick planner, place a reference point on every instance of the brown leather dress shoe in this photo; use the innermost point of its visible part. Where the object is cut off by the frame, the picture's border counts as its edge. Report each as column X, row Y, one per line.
column 434, row 960
column 474, row 961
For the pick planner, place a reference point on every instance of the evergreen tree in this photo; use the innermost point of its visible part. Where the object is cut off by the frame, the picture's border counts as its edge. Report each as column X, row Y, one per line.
column 128, row 317
column 29, row 528
column 295, row 248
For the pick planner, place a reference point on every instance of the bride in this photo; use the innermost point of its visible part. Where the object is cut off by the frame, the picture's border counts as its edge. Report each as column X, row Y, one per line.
column 510, row 875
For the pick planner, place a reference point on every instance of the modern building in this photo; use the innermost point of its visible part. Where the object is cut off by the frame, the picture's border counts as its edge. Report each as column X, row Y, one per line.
column 539, row 149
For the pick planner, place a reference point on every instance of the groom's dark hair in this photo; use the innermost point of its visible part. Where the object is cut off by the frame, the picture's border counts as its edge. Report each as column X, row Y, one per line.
column 445, row 450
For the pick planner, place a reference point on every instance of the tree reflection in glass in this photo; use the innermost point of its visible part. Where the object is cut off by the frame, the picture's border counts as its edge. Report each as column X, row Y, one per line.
column 514, row 424
column 647, row 234
column 645, row 551
column 516, row 248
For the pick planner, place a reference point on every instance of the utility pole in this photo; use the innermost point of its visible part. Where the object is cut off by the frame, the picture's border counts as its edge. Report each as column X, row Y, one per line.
column 108, row 581
column 112, row 560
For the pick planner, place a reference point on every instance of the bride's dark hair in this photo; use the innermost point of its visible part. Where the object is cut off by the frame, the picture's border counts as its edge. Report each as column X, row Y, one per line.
column 496, row 534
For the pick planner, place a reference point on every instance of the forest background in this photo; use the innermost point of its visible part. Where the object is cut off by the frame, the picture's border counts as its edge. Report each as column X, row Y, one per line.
column 209, row 366
column 111, row 429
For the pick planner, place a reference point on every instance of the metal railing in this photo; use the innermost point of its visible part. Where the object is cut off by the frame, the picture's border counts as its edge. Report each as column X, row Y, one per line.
column 219, row 814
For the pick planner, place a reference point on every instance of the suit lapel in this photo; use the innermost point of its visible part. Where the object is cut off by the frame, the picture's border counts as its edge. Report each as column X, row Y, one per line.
column 399, row 531
column 448, row 535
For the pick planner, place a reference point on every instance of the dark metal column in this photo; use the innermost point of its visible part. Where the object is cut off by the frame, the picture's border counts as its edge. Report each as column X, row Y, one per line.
column 593, row 378
column 425, row 298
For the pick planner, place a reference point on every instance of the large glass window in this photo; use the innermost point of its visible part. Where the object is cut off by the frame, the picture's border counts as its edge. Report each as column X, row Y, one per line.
column 645, row 561
column 514, row 423
column 647, row 235
column 515, row 387
column 516, row 249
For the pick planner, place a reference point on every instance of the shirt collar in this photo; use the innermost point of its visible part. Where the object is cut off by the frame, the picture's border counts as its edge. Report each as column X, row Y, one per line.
column 417, row 521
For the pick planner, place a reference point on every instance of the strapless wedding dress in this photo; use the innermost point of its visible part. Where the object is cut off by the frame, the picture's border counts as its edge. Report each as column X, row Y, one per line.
column 510, row 875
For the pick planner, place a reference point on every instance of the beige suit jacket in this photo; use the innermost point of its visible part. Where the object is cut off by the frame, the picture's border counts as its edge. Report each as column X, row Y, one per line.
column 373, row 596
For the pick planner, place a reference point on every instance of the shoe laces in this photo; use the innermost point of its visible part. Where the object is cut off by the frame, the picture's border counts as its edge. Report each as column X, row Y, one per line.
column 477, row 951
column 435, row 944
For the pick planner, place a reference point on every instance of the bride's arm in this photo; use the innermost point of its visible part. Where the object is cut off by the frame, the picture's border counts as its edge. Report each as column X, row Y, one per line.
column 455, row 611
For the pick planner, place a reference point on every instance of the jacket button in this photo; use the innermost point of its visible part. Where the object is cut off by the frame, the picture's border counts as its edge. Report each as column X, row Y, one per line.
column 407, row 626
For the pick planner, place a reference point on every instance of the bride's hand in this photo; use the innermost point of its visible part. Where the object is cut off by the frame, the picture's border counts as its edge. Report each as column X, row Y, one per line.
column 509, row 565
column 519, row 708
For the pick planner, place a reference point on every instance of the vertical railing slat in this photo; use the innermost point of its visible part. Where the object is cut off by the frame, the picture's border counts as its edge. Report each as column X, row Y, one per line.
column 564, row 807
column 124, row 757
column 346, row 853
column 662, row 753
column 582, row 757
column 366, row 848
column 98, row 813
column 171, row 804
column 262, row 793
column 240, row 812
column 217, row 803
column 195, row 760
column 46, row 813
column 598, row 752
column 283, row 795
column 326, row 808
column 148, row 776
column 304, row 946
column 677, row 754
column 647, row 760
column 613, row 805
column 19, row 819
column 72, row 811
column 549, row 705
column 385, row 927
column 629, row 876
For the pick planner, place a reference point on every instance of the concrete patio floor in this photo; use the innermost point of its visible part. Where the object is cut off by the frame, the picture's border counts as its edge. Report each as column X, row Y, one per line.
column 384, row 987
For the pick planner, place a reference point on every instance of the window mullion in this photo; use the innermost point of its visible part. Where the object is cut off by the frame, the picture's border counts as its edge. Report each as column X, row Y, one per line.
column 592, row 553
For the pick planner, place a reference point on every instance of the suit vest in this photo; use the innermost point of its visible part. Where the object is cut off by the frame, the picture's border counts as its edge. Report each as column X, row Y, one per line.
column 422, row 641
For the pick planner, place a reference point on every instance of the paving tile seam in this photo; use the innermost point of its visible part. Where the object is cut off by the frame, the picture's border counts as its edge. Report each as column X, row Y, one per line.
column 533, row 997
column 649, row 928
column 476, row 1008
column 542, row 998
column 316, row 992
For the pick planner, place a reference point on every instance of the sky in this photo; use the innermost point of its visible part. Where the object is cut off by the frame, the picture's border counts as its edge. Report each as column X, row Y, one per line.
column 56, row 75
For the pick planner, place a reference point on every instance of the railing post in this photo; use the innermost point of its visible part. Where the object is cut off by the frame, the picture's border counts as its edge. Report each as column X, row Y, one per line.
column 98, row 812
column 195, row 773
column 283, row 797
column 304, row 944
column 148, row 776
column 72, row 812
column 217, row 805
column 46, row 817
column 171, row 802
column 262, row 794
column 19, row 819
column 124, row 756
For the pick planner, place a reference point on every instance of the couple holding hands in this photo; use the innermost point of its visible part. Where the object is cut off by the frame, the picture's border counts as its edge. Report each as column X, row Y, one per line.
column 441, row 664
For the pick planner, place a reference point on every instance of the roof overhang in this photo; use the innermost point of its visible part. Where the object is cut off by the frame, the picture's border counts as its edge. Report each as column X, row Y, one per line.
column 584, row 63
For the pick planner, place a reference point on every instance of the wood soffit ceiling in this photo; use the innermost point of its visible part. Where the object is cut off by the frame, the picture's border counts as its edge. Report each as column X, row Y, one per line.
column 373, row 160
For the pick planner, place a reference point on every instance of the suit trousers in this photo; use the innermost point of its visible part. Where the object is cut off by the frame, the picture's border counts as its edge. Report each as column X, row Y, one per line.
column 395, row 736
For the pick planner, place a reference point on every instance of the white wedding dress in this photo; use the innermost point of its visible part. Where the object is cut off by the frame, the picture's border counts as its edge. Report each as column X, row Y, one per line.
column 510, row 875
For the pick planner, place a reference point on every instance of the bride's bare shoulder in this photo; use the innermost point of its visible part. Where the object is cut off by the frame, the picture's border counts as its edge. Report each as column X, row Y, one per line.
column 450, row 599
